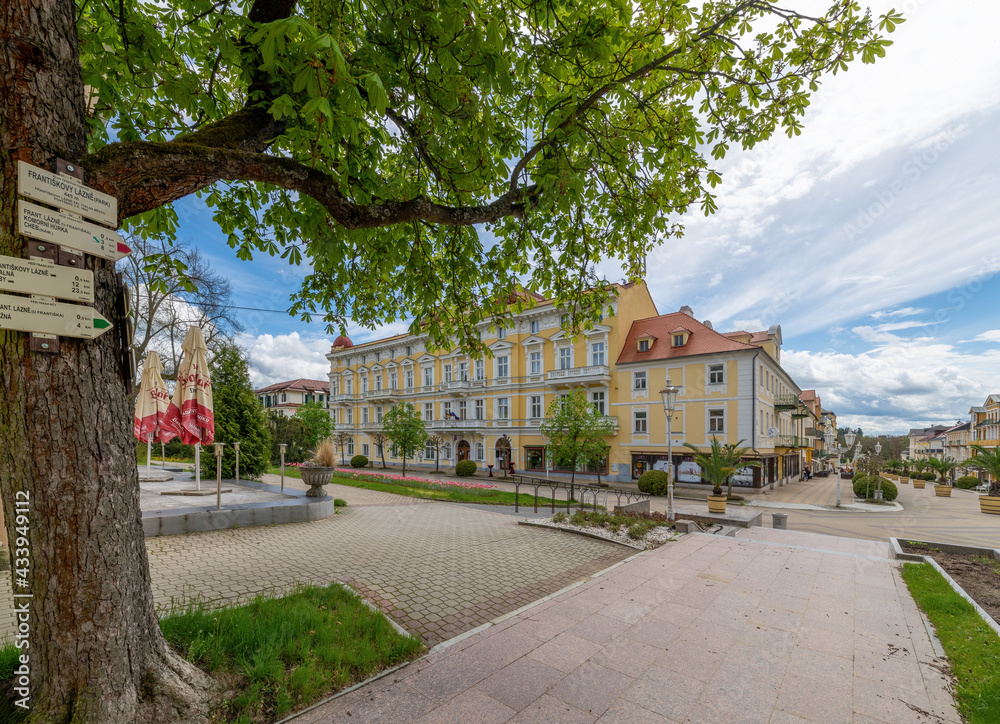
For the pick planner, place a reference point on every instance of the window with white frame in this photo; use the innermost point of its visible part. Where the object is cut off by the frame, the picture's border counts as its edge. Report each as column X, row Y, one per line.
column 429, row 450
column 565, row 357
column 534, row 327
column 447, row 373
column 479, row 408
column 463, row 371
column 643, row 345
column 364, row 415
column 480, row 369
column 716, row 420
column 462, row 409
column 350, row 415
column 535, row 359
column 349, row 386
column 480, row 452
column 598, row 399
column 378, row 381
column 446, row 451
column 428, row 410
column 501, row 333
column 409, row 351
column 350, row 447
column 597, row 353
column 638, row 380
column 428, row 376
column 365, row 449
column 364, row 384
column 716, row 374
column 639, row 418
column 378, row 413
column 503, row 366
column 536, row 406
column 503, row 408
column 393, row 380
column 409, row 379
column 446, row 410
column 678, row 340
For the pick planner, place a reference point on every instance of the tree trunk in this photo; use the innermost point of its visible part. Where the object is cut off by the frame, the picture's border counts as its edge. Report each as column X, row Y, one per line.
column 95, row 648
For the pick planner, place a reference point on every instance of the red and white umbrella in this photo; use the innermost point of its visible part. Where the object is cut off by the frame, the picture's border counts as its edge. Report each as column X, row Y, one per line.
column 191, row 413
column 151, row 407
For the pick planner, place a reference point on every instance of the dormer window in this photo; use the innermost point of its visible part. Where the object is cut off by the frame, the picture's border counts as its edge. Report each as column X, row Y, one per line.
column 678, row 340
column 679, row 336
column 643, row 345
column 644, row 342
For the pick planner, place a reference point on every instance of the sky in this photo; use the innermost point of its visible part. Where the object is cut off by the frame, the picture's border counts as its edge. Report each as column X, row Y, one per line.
column 871, row 238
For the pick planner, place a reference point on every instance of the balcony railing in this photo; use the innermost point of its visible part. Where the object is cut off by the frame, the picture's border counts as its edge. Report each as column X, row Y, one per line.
column 384, row 394
column 593, row 372
column 790, row 441
column 459, row 386
column 342, row 397
column 494, row 423
column 786, row 401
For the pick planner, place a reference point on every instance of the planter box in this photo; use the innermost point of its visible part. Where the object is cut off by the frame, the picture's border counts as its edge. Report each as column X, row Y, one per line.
column 717, row 503
column 918, row 483
column 942, row 491
column 989, row 504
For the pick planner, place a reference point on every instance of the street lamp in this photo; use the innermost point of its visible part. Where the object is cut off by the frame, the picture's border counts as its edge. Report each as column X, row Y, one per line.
column 669, row 396
column 830, row 437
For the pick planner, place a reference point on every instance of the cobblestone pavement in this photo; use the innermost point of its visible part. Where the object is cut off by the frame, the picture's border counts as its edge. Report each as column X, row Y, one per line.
column 437, row 568
column 707, row 630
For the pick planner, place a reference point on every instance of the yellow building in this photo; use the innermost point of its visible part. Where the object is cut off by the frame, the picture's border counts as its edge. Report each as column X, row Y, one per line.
column 488, row 410
column 985, row 427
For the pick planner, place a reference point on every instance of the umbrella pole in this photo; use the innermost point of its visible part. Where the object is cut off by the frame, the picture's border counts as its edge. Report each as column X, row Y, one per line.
column 197, row 465
column 149, row 453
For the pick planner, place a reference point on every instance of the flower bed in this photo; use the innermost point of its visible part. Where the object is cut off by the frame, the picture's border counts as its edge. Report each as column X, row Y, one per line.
column 410, row 481
column 643, row 530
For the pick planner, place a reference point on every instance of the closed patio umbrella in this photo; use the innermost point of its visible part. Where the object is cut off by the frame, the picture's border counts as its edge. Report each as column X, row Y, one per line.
column 190, row 413
column 151, row 407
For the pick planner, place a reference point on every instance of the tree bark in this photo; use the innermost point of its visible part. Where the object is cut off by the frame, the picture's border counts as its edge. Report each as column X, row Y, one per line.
column 95, row 648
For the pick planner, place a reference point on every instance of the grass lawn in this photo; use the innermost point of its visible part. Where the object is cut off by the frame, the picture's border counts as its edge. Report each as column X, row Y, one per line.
column 279, row 654
column 428, row 489
column 973, row 648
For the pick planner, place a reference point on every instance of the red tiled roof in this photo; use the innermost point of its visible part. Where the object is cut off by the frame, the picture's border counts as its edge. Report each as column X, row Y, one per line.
column 677, row 329
column 703, row 340
column 807, row 395
column 299, row 384
column 758, row 337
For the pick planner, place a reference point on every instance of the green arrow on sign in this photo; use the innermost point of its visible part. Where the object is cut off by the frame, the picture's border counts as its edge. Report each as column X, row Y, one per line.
column 66, row 320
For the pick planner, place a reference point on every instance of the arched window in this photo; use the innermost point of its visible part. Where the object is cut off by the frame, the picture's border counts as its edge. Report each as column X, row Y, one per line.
column 480, row 452
column 350, row 447
column 446, row 451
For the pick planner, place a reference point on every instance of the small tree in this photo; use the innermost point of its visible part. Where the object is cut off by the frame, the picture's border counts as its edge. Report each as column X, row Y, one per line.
column 942, row 466
column 317, row 421
column 721, row 462
column 989, row 462
column 576, row 432
column 238, row 418
column 434, row 443
column 380, row 440
column 341, row 441
column 292, row 432
column 405, row 428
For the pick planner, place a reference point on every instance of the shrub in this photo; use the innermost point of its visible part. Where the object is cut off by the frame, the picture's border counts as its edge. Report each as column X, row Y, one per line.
column 929, row 475
column 465, row 468
column 654, row 482
column 359, row 461
column 967, row 482
column 862, row 489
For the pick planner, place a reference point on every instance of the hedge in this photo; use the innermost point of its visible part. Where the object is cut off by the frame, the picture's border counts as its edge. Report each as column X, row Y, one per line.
column 359, row 461
column 654, row 482
column 863, row 490
column 465, row 468
column 930, row 475
column 967, row 482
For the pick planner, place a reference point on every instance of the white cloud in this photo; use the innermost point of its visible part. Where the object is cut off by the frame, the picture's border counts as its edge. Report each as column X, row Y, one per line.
column 896, row 326
column 277, row 358
column 903, row 312
column 992, row 335
column 716, row 280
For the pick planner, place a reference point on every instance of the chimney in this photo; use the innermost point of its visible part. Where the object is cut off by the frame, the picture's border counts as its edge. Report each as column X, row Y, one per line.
column 708, row 323
column 687, row 310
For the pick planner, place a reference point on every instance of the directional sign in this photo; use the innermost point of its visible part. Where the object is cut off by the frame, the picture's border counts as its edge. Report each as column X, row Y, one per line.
column 66, row 193
column 66, row 320
column 44, row 278
column 64, row 230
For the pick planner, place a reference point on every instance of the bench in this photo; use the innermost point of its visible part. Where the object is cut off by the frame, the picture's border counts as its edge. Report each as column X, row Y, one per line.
column 983, row 488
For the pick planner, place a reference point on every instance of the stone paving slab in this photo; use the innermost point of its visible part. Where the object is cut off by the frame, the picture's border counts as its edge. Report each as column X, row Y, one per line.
column 706, row 630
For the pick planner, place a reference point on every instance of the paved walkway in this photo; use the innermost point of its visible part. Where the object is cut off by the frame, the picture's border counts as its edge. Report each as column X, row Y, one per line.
column 775, row 628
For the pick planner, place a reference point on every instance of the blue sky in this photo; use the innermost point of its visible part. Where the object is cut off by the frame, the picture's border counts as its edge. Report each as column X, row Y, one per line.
column 872, row 238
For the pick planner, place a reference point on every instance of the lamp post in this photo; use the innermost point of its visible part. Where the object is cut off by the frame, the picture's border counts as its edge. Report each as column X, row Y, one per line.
column 878, row 476
column 282, row 446
column 236, row 447
column 830, row 437
column 218, row 474
column 669, row 396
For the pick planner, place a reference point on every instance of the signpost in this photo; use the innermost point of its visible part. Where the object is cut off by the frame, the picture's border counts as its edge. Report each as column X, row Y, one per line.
column 58, row 228
column 44, row 278
column 66, row 193
column 57, row 318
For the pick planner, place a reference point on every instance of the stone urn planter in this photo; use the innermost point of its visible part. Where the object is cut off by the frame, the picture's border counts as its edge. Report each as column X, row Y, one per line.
column 989, row 504
column 716, row 503
column 316, row 477
column 942, row 491
column 918, row 483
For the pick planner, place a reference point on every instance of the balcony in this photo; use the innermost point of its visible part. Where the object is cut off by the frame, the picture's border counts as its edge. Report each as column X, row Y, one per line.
column 592, row 375
column 505, row 423
column 811, row 432
column 786, row 401
column 790, row 441
column 342, row 398
column 387, row 395
column 460, row 388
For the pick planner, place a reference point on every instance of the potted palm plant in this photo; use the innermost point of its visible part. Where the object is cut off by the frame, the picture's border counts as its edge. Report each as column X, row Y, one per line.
column 989, row 462
column 904, row 471
column 318, row 471
column 942, row 466
column 918, row 467
column 718, row 467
